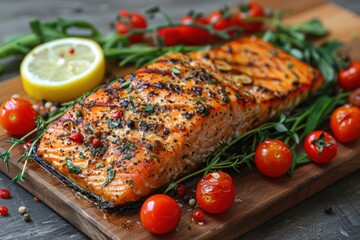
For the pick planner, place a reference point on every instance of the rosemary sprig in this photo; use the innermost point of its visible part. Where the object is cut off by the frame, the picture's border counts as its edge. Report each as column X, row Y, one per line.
column 294, row 128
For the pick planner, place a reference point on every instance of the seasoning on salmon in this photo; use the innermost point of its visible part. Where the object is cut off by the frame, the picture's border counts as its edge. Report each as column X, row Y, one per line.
column 163, row 121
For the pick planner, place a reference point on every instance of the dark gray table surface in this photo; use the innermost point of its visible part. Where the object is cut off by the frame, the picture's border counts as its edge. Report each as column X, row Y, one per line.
column 305, row 221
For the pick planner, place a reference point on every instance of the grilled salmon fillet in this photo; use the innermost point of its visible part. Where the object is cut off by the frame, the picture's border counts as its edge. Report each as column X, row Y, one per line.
column 162, row 121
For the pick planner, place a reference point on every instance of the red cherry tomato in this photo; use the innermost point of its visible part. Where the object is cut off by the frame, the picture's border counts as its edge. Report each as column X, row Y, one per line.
column 4, row 211
column 349, row 78
column 17, row 116
column 193, row 35
column 160, row 214
column 135, row 20
column 320, row 146
column 96, row 143
column 4, row 193
column 215, row 192
column 273, row 158
column 354, row 98
column 345, row 123
column 181, row 190
column 117, row 114
column 198, row 216
column 251, row 11
column 76, row 137
column 219, row 22
column 169, row 36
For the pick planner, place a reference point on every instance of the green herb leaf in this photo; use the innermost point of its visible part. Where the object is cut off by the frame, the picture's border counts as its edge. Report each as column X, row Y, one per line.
column 155, row 157
column 149, row 108
column 125, row 84
column 175, row 70
column 198, row 99
column 99, row 165
column 71, row 167
column 16, row 140
column 110, row 176
column 280, row 127
column 313, row 27
column 81, row 155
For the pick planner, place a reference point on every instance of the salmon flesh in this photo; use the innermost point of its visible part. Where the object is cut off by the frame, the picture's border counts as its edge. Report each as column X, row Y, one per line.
column 163, row 121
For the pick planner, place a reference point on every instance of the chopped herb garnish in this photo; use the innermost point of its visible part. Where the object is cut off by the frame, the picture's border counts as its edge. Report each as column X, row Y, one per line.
column 290, row 66
column 168, row 81
column 125, row 84
column 226, row 99
column 131, row 183
column 175, row 70
column 198, row 99
column 129, row 89
column 132, row 98
column 71, row 167
column 110, row 176
column 128, row 156
column 81, row 155
column 78, row 113
column 149, row 108
column 212, row 82
column 91, row 127
column 155, row 157
column 99, row 165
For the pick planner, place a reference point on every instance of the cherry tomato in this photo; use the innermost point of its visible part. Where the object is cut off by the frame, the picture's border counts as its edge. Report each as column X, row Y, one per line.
column 252, row 10
column 345, row 123
column 220, row 22
column 198, row 216
column 17, row 116
column 117, row 114
column 27, row 145
column 215, row 192
column 160, row 214
column 193, row 35
column 181, row 190
column 4, row 193
column 76, row 137
column 320, row 146
column 169, row 36
column 96, row 143
column 4, row 211
column 349, row 78
column 135, row 20
column 273, row 158
column 354, row 98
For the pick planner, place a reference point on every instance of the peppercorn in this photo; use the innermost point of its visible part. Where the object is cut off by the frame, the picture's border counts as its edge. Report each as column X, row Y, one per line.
column 328, row 210
column 192, row 202
column 27, row 217
column 53, row 109
column 22, row 210
column 48, row 105
column 131, row 124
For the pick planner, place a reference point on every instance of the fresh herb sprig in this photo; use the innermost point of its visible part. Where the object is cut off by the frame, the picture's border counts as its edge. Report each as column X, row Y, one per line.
column 115, row 46
column 292, row 129
column 294, row 39
column 41, row 126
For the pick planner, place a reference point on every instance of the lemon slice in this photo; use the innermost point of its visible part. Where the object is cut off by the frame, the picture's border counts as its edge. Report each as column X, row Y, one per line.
column 63, row 69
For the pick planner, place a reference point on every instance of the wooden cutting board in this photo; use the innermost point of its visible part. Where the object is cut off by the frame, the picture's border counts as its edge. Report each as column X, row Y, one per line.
column 261, row 198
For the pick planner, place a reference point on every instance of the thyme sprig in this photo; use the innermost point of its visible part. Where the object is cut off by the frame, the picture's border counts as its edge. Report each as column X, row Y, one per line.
column 41, row 126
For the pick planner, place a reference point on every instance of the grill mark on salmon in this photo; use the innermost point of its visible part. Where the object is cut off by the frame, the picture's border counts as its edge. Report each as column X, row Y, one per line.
column 172, row 120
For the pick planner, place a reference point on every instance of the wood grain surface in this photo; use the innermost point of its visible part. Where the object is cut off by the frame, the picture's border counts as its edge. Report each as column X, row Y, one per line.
column 261, row 198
